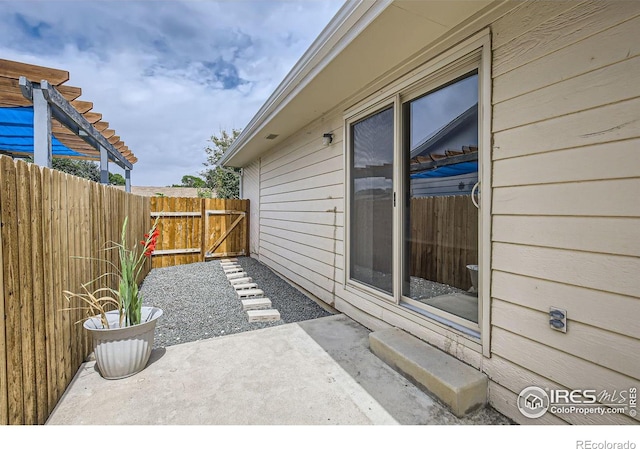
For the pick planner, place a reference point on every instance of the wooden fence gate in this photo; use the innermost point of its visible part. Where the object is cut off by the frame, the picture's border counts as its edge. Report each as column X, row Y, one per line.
column 199, row 229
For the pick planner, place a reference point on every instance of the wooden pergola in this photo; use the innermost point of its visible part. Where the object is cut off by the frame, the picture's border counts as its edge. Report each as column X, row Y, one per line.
column 72, row 121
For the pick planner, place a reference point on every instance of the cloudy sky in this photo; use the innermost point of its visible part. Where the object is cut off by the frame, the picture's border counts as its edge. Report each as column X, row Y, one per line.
column 166, row 75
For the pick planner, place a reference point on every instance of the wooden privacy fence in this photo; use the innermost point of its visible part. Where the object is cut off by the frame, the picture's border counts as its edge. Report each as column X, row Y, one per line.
column 444, row 239
column 46, row 218
column 198, row 229
column 443, row 233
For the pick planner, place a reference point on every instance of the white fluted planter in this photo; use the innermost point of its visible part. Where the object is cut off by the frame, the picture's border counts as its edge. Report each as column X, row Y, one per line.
column 123, row 351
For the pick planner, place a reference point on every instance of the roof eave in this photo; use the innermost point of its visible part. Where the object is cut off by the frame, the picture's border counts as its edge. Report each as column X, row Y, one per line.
column 352, row 18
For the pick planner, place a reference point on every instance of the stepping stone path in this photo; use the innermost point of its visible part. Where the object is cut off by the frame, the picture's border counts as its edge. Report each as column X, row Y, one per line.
column 257, row 307
column 244, row 280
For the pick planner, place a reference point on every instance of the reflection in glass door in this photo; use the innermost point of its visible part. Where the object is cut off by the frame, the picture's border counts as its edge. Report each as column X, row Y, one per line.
column 440, row 135
column 371, row 208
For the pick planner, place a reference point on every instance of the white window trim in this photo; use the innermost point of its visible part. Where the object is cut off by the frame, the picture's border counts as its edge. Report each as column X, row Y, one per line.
column 432, row 74
column 379, row 105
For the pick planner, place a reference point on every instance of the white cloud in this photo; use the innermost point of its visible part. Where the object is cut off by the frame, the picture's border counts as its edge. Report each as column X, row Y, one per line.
column 166, row 75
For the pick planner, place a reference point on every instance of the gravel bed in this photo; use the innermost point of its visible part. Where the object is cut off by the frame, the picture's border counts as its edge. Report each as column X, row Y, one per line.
column 423, row 288
column 198, row 302
column 419, row 288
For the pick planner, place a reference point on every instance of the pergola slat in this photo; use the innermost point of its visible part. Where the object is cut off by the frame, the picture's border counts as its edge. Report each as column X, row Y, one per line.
column 58, row 128
column 10, row 94
column 34, row 73
column 82, row 106
column 92, row 117
column 75, row 141
column 70, row 93
column 101, row 126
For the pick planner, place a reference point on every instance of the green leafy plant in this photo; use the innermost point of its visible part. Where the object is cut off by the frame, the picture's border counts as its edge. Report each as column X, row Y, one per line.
column 127, row 299
column 205, row 193
column 191, row 181
column 225, row 182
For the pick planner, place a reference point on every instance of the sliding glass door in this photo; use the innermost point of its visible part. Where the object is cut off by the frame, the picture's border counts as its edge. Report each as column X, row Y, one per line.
column 417, row 234
column 371, row 205
column 440, row 219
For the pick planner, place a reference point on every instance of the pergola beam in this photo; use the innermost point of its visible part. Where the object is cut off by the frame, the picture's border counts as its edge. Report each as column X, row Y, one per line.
column 66, row 114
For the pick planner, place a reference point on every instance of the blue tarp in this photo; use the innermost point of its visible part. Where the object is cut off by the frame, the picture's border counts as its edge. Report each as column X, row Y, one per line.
column 16, row 133
column 461, row 168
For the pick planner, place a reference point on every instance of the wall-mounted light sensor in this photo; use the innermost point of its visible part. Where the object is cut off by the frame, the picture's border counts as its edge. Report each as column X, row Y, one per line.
column 327, row 138
column 558, row 319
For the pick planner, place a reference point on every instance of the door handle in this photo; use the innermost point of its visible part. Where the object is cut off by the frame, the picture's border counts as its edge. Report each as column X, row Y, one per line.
column 473, row 198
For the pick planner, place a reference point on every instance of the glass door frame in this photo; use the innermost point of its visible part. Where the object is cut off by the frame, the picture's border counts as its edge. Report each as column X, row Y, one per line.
column 362, row 114
column 464, row 68
column 472, row 54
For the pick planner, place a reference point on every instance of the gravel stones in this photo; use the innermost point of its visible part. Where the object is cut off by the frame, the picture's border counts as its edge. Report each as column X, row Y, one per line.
column 198, row 302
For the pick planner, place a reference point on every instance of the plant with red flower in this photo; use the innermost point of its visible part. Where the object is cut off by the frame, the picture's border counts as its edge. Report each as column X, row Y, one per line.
column 127, row 298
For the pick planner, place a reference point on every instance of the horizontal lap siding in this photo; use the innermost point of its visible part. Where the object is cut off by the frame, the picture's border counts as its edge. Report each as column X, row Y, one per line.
column 251, row 191
column 566, row 177
column 302, row 235
column 302, row 208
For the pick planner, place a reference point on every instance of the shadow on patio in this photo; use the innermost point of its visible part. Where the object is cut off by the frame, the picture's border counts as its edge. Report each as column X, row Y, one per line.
column 313, row 372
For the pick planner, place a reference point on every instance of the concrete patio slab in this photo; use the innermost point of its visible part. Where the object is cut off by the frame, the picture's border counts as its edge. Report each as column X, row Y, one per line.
column 313, row 372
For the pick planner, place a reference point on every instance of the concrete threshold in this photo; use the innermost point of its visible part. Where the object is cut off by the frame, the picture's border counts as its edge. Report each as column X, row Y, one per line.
column 462, row 388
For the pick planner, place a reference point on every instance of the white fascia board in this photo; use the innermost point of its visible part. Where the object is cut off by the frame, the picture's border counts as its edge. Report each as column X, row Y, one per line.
column 352, row 18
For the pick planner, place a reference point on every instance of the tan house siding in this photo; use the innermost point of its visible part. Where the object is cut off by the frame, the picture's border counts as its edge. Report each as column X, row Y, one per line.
column 301, row 208
column 566, row 177
column 251, row 191
column 565, row 208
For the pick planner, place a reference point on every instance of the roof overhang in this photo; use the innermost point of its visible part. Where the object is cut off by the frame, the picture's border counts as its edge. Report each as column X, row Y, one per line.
column 364, row 45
